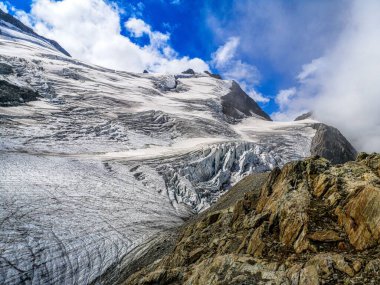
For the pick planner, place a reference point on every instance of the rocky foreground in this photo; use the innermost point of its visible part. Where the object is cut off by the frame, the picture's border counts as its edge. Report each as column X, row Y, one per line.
column 310, row 223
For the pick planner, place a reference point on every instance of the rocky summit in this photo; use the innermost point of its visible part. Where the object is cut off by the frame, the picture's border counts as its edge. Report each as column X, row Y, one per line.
column 309, row 223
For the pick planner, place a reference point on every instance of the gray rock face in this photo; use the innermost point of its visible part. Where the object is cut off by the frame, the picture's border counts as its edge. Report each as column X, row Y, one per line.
column 216, row 76
column 5, row 69
column 189, row 71
column 237, row 105
column 329, row 143
column 305, row 116
column 13, row 95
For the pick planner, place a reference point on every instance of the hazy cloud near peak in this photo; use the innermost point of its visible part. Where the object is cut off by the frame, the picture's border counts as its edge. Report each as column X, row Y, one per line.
column 91, row 30
column 343, row 87
column 282, row 35
column 247, row 75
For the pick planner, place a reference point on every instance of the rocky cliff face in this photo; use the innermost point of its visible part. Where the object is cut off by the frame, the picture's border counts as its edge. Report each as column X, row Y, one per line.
column 237, row 105
column 311, row 223
column 329, row 143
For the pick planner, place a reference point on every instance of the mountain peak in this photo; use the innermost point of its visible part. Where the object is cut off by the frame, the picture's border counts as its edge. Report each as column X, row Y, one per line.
column 10, row 27
column 237, row 104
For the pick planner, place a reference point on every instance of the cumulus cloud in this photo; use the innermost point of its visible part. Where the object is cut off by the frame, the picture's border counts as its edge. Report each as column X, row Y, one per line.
column 137, row 27
column 226, row 52
column 3, row 7
column 284, row 97
column 224, row 59
column 90, row 30
column 343, row 87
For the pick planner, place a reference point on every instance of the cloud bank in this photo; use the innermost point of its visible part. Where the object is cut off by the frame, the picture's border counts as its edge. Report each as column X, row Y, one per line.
column 342, row 87
column 91, row 31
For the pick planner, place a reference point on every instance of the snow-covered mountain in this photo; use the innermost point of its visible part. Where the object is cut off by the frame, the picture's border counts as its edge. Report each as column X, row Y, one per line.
column 94, row 162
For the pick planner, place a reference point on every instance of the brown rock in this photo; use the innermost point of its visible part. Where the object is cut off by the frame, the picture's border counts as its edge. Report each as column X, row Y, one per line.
column 342, row 246
column 195, row 255
column 286, row 235
column 255, row 244
column 361, row 218
column 325, row 236
column 322, row 183
column 309, row 276
column 357, row 265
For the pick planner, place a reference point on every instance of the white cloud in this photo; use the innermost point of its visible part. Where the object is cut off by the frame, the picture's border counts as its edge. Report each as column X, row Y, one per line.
column 90, row 30
column 308, row 70
column 137, row 27
column 343, row 87
column 258, row 97
column 3, row 7
column 226, row 52
column 224, row 59
column 284, row 97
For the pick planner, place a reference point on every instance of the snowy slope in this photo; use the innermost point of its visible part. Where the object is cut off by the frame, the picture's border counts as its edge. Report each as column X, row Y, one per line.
column 106, row 159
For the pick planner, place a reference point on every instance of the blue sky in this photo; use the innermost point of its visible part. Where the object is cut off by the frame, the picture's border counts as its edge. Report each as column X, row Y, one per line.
column 291, row 56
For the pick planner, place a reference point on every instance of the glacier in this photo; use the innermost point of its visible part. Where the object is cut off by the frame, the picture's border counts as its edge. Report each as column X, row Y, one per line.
column 104, row 159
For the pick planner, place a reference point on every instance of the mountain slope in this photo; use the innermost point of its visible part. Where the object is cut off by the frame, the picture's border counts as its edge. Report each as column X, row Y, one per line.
column 311, row 223
column 13, row 28
column 104, row 160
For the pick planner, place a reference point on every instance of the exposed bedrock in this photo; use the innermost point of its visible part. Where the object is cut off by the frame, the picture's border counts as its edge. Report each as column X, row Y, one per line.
column 14, row 95
column 238, row 105
column 308, row 115
column 310, row 223
column 329, row 143
column 5, row 69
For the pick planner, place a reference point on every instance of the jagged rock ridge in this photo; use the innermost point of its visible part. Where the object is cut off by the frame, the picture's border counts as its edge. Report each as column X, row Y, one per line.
column 310, row 223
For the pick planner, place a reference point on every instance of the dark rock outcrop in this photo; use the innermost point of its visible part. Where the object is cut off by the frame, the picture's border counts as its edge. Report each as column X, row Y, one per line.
column 13, row 95
column 311, row 223
column 19, row 25
column 189, row 71
column 308, row 115
column 238, row 105
column 5, row 69
column 216, row 76
column 329, row 143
